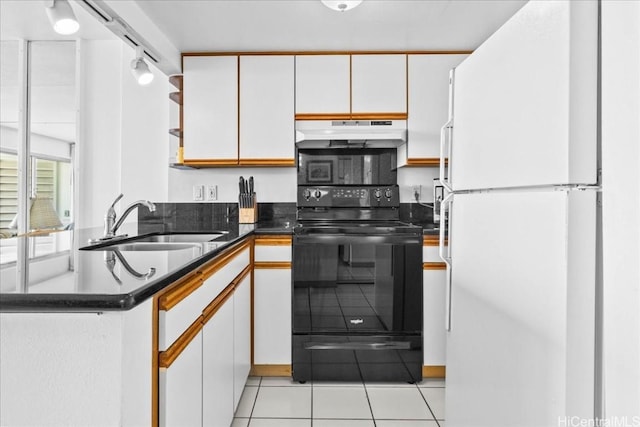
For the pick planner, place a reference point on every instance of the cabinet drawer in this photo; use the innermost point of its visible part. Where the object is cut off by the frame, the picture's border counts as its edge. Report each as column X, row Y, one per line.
column 431, row 254
column 272, row 253
column 174, row 320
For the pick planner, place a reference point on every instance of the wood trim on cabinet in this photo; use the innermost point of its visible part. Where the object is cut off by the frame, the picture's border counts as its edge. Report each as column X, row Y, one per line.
column 215, row 305
column 155, row 356
column 223, row 259
column 179, row 291
column 270, row 371
column 379, row 116
column 434, row 371
column 273, row 240
column 272, row 265
column 210, row 163
column 267, row 162
column 425, row 161
column 434, row 266
column 167, row 357
column 432, row 240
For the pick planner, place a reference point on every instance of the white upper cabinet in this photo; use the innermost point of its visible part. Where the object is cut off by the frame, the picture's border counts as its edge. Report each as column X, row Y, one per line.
column 266, row 107
column 428, row 82
column 210, row 104
column 323, row 84
column 379, row 83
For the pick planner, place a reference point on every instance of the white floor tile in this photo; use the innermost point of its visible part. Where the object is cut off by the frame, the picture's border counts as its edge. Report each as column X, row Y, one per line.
column 389, row 384
column 253, row 381
column 338, row 384
column 343, row 423
column 432, row 382
column 283, row 402
column 398, row 404
column 246, row 402
column 435, row 399
column 282, row 382
column 404, row 423
column 340, row 402
column 240, row 422
column 279, row 422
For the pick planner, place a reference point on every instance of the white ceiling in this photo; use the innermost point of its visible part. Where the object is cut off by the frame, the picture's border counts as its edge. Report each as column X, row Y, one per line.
column 276, row 25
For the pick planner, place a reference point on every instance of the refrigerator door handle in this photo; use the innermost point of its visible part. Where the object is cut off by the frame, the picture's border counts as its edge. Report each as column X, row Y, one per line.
column 445, row 254
column 446, row 140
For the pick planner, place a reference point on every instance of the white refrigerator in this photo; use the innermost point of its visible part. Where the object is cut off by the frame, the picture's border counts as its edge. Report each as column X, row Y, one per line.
column 523, row 222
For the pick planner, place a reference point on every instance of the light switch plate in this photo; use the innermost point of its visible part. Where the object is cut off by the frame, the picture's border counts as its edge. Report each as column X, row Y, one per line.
column 198, row 192
column 212, row 192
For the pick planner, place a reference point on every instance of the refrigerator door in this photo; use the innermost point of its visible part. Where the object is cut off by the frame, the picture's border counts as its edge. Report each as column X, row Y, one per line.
column 525, row 102
column 520, row 351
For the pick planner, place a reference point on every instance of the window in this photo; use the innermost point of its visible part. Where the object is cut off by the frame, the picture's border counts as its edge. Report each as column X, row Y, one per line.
column 38, row 135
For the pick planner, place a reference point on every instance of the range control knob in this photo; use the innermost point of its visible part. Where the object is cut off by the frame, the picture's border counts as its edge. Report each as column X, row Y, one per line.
column 377, row 193
column 388, row 193
column 306, row 194
column 317, row 194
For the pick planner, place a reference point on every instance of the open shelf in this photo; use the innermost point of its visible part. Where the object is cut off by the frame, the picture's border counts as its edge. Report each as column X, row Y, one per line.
column 176, row 81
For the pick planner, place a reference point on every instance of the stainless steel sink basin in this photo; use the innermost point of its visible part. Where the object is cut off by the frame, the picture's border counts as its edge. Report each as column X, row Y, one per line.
column 182, row 237
column 151, row 246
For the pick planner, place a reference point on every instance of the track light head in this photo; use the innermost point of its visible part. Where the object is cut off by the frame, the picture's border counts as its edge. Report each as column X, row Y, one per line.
column 62, row 17
column 140, row 69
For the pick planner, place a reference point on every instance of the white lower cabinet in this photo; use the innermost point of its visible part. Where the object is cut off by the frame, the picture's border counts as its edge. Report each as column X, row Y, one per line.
column 218, row 367
column 241, row 338
column 181, row 388
column 272, row 317
column 202, row 371
column 434, row 322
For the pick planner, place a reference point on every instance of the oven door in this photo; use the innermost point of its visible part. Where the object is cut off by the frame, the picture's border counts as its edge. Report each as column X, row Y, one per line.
column 357, row 306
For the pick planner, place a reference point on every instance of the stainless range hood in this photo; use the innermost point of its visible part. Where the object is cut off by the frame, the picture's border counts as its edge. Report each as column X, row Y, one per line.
column 350, row 133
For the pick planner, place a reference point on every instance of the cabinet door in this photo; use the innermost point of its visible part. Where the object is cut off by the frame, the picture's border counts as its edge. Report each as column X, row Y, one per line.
column 428, row 102
column 323, row 84
column 242, row 338
column 379, row 83
column 210, row 105
column 267, row 107
column 434, row 312
column 217, row 368
column 181, row 388
column 272, row 316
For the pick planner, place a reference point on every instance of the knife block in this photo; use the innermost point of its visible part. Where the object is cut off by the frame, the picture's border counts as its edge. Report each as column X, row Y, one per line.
column 249, row 215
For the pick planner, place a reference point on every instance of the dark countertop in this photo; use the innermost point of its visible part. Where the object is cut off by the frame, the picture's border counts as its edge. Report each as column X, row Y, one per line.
column 93, row 287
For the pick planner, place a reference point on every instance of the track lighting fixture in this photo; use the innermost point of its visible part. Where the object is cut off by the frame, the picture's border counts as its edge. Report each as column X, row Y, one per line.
column 140, row 69
column 62, row 17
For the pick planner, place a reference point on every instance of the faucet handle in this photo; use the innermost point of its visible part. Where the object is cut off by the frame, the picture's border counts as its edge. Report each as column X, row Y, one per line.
column 113, row 205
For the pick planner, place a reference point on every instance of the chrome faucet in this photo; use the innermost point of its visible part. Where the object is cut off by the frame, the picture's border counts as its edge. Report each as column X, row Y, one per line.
column 110, row 224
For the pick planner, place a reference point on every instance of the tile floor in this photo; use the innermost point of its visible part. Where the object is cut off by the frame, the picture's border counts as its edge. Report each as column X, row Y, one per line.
column 279, row 402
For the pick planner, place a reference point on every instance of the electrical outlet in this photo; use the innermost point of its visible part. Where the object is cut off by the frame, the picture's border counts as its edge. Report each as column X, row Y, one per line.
column 212, row 192
column 198, row 192
column 416, row 189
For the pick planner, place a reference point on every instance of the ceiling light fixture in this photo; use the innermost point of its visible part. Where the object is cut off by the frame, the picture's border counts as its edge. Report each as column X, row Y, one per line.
column 62, row 17
column 140, row 69
column 341, row 5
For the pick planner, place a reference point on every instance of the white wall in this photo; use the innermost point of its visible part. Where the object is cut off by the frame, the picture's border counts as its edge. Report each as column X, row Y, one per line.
column 621, row 209
column 123, row 133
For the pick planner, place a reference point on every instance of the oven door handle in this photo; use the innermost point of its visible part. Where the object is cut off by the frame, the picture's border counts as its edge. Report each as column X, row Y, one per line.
column 387, row 345
column 330, row 239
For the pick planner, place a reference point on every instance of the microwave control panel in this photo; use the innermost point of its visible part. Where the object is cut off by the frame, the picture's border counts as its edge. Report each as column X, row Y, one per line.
column 348, row 196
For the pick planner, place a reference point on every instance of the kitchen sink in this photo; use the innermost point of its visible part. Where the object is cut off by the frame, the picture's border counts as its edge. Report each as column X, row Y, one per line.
column 151, row 246
column 182, row 237
column 160, row 242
